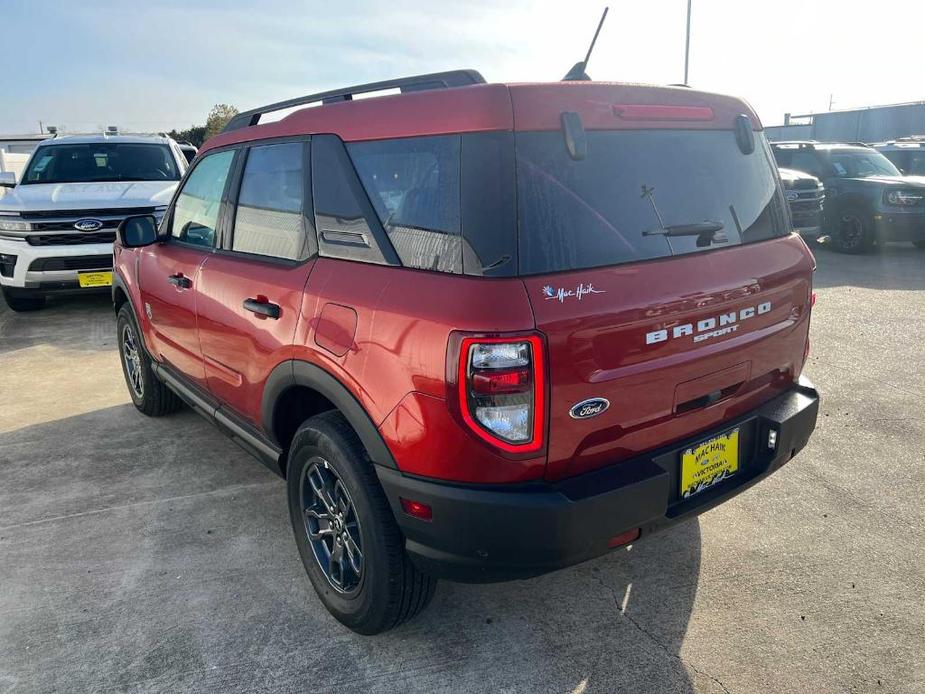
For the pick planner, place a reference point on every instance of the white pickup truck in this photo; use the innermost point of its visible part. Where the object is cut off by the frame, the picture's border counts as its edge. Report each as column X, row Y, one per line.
column 58, row 223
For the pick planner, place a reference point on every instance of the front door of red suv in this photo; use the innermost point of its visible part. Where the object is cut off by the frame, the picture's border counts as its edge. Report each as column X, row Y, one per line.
column 169, row 271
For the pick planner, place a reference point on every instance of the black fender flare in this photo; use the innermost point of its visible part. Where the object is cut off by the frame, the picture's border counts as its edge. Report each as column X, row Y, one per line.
column 301, row 373
column 118, row 284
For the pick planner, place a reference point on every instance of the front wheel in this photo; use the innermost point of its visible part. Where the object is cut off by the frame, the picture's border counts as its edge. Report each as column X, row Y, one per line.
column 853, row 232
column 149, row 395
column 21, row 304
column 349, row 542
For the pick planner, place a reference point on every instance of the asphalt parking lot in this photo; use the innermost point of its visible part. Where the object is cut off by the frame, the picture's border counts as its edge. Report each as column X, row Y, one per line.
column 154, row 555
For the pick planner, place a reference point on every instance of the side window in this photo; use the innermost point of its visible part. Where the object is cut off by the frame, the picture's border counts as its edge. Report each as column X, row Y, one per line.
column 195, row 215
column 269, row 219
column 346, row 221
column 413, row 184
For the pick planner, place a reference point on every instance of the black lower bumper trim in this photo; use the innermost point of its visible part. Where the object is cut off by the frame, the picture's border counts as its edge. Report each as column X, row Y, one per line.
column 486, row 534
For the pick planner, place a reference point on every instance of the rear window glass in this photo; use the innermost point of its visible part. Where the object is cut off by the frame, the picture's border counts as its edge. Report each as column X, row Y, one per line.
column 621, row 202
column 413, row 184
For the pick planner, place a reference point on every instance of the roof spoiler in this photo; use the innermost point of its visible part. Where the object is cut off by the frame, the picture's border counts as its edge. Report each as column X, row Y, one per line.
column 416, row 83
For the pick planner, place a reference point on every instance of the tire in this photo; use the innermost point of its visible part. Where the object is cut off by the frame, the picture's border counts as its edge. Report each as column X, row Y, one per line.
column 21, row 304
column 374, row 586
column 852, row 232
column 149, row 395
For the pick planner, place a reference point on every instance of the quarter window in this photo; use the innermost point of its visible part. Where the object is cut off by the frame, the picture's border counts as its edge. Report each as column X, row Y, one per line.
column 195, row 215
column 413, row 185
column 269, row 218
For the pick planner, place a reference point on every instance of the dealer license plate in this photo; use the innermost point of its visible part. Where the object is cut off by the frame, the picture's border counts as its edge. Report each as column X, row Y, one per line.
column 709, row 463
column 94, row 279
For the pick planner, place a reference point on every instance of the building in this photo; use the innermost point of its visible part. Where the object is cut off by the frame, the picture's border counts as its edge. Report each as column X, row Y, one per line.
column 871, row 124
column 15, row 151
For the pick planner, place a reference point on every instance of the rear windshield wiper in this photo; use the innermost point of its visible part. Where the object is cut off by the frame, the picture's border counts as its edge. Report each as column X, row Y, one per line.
column 696, row 229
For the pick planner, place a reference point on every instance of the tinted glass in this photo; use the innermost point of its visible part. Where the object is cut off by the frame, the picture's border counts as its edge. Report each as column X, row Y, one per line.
column 413, row 184
column 268, row 220
column 195, row 215
column 860, row 163
column 104, row 161
column 615, row 205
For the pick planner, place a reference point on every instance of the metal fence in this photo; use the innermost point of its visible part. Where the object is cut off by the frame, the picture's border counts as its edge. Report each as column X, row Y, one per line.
column 875, row 124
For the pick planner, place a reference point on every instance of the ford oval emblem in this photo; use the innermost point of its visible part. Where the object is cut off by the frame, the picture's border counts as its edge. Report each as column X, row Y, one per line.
column 589, row 408
column 792, row 196
column 88, row 224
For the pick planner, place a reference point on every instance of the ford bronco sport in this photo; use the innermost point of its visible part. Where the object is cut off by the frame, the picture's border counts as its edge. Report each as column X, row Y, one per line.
column 867, row 199
column 484, row 331
column 58, row 224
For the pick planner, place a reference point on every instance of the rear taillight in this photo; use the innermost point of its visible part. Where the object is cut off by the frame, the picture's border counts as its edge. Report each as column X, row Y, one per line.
column 501, row 390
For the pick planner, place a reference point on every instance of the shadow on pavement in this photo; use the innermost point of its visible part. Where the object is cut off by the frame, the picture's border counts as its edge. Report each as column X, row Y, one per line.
column 67, row 322
column 153, row 555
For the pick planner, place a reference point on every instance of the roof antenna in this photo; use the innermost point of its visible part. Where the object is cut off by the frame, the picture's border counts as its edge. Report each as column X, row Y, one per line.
column 577, row 73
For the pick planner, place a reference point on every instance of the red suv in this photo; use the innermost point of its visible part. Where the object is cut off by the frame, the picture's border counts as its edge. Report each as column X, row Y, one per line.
column 484, row 331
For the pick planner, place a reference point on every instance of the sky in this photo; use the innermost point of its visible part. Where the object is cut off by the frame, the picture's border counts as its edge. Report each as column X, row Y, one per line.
column 159, row 64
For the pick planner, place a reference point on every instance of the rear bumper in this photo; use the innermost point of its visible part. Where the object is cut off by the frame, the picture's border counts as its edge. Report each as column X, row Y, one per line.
column 486, row 534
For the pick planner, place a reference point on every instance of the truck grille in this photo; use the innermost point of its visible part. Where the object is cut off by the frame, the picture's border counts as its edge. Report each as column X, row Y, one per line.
column 56, row 227
column 75, row 262
column 76, row 239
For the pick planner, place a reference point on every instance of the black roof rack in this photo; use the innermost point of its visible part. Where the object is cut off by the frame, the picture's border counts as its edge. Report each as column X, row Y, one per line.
column 417, row 83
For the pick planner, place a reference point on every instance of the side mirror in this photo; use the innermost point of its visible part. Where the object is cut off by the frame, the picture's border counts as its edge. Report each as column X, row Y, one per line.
column 138, row 231
column 7, row 179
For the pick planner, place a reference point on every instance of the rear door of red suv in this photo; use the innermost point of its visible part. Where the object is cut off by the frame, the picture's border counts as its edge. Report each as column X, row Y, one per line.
column 662, row 272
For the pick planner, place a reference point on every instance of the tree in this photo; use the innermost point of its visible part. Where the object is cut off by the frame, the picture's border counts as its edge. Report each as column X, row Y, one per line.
column 218, row 119
column 195, row 135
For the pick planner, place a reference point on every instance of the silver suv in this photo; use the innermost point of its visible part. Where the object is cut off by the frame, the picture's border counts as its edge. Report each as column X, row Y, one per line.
column 58, row 223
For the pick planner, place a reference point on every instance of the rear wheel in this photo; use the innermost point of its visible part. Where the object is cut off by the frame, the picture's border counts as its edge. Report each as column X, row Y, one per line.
column 149, row 395
column 853, row 232
column 23, row 303
column 349, row 542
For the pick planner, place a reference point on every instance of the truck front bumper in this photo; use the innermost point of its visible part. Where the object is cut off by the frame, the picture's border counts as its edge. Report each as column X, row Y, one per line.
column 498, row 533
column 36, row 270
column 900, row 226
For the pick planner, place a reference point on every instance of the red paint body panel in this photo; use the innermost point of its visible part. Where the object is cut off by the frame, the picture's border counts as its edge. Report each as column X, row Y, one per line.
column 172, row 333
column 241, row 348
column 597, row 346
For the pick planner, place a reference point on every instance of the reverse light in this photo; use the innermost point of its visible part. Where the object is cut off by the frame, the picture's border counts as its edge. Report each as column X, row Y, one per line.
column 904, row 198
column 501, row 385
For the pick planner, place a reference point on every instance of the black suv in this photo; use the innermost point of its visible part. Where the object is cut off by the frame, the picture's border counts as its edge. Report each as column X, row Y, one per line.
column 868, row 200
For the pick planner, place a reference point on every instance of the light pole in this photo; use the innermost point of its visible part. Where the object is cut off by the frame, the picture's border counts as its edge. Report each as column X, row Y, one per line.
column 687, row 43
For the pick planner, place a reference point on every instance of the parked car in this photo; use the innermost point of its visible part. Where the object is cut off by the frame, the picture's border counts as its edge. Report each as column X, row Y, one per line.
column 189, row 151
column 907, row 154
column 868, row 200
column 484, row 331
column 805, row 196
column 58, row 224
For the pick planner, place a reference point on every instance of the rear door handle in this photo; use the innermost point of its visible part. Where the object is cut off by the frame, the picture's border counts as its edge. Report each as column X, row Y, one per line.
column 263, row 308
column 180, row 281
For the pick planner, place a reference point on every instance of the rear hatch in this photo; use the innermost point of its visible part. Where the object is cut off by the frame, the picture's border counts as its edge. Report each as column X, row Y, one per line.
column 678, row 333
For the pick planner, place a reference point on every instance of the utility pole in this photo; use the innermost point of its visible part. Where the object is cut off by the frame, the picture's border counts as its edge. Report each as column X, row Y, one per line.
column 687, row 44
column 41, row 128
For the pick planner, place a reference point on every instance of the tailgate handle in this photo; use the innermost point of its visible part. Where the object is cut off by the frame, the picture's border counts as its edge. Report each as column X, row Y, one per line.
column 708, row 399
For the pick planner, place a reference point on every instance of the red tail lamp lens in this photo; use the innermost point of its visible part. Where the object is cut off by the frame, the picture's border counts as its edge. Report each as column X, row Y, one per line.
column 505, row 382
column 624, row 538
column 417, row 509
